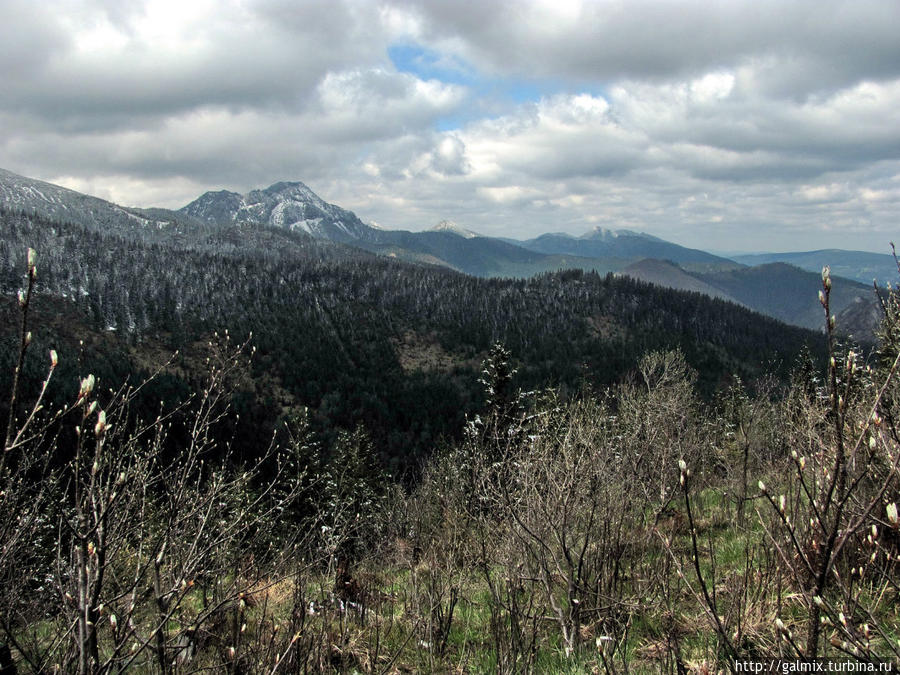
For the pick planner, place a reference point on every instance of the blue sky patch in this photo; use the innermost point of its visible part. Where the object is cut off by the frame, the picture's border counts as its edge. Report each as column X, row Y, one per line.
column 490, row 95
column 428, row 64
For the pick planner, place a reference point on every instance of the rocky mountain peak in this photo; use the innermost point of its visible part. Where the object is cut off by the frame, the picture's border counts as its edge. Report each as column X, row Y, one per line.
column 290, row 205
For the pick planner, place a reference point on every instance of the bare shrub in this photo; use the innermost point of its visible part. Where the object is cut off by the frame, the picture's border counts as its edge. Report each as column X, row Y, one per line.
column 819, row 561
column 830, row 518
column 659, row 423
column 150, row 552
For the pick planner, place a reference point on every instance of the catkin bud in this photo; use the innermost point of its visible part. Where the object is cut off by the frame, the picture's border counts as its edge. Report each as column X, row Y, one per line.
column 54, row 360
column 822, row 298
column 762, row 486
column 87, row 385
column 21, row 298
column 32, row 260
column 100, row 427
column 891, row 512
column 782, row 503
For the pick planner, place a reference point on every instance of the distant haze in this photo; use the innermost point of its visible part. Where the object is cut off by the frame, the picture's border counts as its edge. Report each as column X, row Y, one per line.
column 742, row 126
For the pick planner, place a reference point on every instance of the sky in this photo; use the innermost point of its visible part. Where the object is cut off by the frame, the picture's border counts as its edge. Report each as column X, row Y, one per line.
column 757, row 125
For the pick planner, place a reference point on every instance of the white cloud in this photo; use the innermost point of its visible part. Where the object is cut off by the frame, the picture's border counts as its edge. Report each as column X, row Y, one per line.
column 716, row 125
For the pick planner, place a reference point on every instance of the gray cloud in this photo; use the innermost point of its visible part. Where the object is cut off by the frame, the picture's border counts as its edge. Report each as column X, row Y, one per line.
column 29, row 41
column 815, row 45
column 742, row 124
column 122, row 68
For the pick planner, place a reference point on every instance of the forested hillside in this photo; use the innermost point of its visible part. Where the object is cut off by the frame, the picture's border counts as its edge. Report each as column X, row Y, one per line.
column 638, row 527
column 347, row 334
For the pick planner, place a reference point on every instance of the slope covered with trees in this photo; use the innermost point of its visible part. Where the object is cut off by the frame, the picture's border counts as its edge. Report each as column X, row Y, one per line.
column 337, row 330
column 638, row 527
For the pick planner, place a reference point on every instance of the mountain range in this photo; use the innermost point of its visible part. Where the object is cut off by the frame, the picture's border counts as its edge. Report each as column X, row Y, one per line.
column 353, row 325
column 783, row 286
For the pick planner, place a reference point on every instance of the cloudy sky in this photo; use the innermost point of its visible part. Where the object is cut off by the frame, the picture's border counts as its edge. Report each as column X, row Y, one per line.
column 743, row 125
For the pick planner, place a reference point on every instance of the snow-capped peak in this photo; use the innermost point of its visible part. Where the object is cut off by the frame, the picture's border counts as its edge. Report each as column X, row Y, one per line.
column 450, row 226
column 605, row 234
column 291, row 205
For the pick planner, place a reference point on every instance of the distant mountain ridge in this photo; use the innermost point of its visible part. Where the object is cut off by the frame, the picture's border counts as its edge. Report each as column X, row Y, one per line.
column 626, row 245
column 292, row 219
column 860, row 266
column 790, row 294
column 669, row 275
column 782, row 291
column 598, row 233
